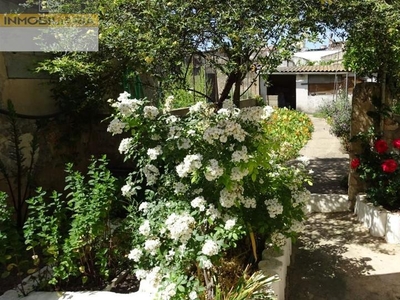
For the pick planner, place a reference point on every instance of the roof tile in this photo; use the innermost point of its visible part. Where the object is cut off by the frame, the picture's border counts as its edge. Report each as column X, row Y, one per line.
column 311, row 69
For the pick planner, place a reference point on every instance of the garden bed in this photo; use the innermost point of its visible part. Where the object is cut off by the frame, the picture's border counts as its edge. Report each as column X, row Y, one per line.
column 273, row 263
column 379, row 221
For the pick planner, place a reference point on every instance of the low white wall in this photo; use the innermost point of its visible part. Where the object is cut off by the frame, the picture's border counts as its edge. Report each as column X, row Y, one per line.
column 326, row 203
column 276, row 263
column 379, row 221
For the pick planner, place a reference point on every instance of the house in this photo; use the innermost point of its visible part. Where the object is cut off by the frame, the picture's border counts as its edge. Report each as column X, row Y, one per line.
column 309, row 79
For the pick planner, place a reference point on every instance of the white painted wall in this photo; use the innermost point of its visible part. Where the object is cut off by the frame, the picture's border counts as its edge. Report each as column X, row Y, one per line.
column 308, row 103
column 302, row 92
column 315, row 102
column 304, row 102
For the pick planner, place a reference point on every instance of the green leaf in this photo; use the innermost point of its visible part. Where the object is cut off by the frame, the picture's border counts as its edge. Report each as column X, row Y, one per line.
column 181, row 288
column 254, row 177
column 11, row 266
column 31, row 271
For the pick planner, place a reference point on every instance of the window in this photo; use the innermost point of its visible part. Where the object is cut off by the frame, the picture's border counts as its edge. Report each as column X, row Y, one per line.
column 324, row 84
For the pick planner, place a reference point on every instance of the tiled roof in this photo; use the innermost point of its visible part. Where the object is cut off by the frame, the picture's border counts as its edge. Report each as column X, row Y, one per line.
column 312, row 69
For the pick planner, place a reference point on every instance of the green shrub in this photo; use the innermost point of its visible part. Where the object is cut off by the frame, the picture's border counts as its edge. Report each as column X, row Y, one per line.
column 338, row 115
column 74, row 234
column 13, row 257
column 212, row 181
column 291, row 129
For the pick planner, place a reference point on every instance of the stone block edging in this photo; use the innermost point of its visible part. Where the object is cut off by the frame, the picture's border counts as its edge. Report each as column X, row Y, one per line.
column 379, row 221
column 276, row 263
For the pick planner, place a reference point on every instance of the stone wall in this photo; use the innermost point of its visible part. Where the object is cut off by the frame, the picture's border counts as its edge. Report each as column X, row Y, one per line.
column 60, row 138
column 363, row 95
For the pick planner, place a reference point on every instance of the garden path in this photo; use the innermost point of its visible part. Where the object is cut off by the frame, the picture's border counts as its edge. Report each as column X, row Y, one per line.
column 335, row 258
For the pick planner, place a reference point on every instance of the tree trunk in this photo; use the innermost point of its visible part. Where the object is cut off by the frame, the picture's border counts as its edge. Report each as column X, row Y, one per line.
column 232, row 79
column 236, row 93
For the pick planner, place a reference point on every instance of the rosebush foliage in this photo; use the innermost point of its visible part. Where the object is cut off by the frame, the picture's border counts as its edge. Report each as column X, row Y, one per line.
column 209, row 180
column 377, row 166
column 291, row 129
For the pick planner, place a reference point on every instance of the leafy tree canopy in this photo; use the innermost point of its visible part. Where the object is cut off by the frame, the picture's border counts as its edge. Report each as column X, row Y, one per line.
column 372, row 28
column 158, row 38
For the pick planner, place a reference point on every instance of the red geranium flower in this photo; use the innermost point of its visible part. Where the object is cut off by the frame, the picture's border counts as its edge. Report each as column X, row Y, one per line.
column 389, row 166
column 381, row 146
column 396, row 143
column 355, row 163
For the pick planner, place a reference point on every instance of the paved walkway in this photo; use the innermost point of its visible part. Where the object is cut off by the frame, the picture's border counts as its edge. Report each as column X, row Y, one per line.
column 327, row 159
column 335, row 258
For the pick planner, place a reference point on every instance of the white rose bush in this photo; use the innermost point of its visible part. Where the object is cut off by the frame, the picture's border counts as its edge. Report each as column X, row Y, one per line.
column 205, row 184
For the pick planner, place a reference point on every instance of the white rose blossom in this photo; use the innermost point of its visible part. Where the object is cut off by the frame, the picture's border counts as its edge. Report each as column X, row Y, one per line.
column 150, row 112
column 249, row 202
column 274, row 207
column 198, row 107
column 255, row 114
column 174, row 132
column 189, row 165
column 297, row 226
column 153, row 277
column 223, row 130
column 210, row 248
column 124, row 96
column 240, row 155
column 213, row 212
column 213, row 170
column 228, row 198
column 199, row 202
column 126, row 107
column 116, row 126
column 278, row 239
column 144, row 229
column 135, row 255
column 168, row 104
column 168, row 292
column 152, row 246
column 141, row 274
column 125, row 145
column 171, row 119
column 300, row 197
column 180, row 226
column 170, row 255
column 206, row 263
column 128, row 190
column 153, row 153
column 144, row 206
column 238, row 174
column 229, row 224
